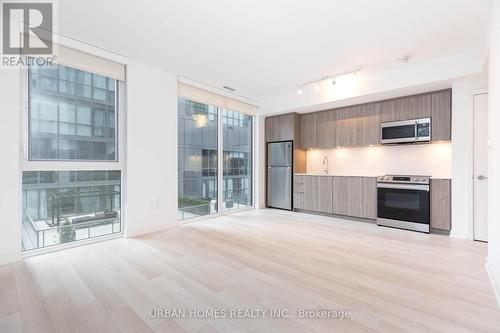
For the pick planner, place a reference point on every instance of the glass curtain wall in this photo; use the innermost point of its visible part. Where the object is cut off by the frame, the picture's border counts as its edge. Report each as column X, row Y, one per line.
column 198, row 156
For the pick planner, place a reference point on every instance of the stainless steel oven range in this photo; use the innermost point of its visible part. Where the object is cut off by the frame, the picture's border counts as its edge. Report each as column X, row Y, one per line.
column 404, row 202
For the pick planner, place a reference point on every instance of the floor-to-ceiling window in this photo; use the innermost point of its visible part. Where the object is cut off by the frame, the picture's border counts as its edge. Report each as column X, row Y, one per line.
column 72, row 179
column 214, row 159
column 197, row 159
column 237, row 157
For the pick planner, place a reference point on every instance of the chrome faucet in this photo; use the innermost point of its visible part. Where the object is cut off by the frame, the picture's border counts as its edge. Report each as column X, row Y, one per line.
column 325, row 164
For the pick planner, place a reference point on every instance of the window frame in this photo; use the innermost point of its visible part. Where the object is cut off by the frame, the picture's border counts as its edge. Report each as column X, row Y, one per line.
column 118, row 164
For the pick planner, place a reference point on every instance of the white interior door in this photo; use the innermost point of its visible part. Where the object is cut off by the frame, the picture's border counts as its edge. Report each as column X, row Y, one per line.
column 481, row 167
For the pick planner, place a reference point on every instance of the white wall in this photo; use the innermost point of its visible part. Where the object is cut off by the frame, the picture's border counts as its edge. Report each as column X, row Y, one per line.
column 494, row 153
column 462, row 160
column 425, row 159
column 260, row 155
column 10, row 176
column 151, row 184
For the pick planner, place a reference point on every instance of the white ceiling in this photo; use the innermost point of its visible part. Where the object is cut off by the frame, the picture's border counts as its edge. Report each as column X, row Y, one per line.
column 265, row 48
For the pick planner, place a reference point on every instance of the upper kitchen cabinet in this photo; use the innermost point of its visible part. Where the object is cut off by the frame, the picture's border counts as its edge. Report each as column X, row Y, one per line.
column 327, row 129
column 368, row 124
column 309, row 130
column 417, row 106
column 441, row 116
column 358, row 125
column 347, row 126
column 283, row 128
column 391, row 110
column 405, row 108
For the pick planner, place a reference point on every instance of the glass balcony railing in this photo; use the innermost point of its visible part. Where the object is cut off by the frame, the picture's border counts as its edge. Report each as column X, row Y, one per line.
column 69, row 208
column 34, row 238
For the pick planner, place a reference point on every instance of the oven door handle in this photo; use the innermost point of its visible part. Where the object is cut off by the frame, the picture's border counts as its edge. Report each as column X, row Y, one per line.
column 404, row 187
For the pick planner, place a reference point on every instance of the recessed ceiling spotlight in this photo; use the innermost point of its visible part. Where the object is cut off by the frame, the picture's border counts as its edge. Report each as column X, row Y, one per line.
column 299, row 91
column 404, row 58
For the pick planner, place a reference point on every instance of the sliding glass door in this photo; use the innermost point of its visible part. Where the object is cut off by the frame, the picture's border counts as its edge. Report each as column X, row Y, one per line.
column 201, row 127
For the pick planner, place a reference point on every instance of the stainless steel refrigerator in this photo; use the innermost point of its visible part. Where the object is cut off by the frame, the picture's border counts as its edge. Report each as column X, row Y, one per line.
column 279, row 174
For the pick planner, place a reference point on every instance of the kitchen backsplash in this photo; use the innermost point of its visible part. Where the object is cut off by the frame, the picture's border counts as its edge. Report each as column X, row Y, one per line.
column 418, row 159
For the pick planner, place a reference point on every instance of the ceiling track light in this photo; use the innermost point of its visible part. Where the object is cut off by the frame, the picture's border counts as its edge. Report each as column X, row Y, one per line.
column 317, row 83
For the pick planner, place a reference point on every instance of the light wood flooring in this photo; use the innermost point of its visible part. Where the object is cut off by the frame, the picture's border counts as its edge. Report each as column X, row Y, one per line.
column 389, row 280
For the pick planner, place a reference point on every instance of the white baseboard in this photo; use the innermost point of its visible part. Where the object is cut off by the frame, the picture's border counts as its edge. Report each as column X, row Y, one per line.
column 496, row 288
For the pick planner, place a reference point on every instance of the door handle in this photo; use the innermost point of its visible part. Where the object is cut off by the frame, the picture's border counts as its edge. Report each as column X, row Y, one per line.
column 481, row 177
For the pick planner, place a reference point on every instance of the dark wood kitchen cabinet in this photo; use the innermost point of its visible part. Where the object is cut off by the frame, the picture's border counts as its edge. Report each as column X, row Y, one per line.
column 309, row 130
column 441, row 204
column 441, row 116
column 282, row 128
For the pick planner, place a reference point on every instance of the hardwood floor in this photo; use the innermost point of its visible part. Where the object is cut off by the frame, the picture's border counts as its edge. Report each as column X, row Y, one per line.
column 389, row 280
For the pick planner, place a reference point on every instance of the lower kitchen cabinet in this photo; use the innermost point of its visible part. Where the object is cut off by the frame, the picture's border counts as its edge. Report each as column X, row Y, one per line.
column 348, row 196
column 298, row 192
column 325, row 190
column 441, row 204
column 311, row 193
column 355, row 196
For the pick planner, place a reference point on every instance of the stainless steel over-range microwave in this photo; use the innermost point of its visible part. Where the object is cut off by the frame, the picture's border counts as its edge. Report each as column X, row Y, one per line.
column 414, row 130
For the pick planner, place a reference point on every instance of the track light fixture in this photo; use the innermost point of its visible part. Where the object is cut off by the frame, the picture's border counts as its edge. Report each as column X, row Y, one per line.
column 317, row 83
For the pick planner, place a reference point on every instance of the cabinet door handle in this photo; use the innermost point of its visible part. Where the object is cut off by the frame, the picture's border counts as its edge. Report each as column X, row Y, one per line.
column 481, row 177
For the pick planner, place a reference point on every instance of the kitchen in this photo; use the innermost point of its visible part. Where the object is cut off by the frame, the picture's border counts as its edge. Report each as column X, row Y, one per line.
column 387, row 162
